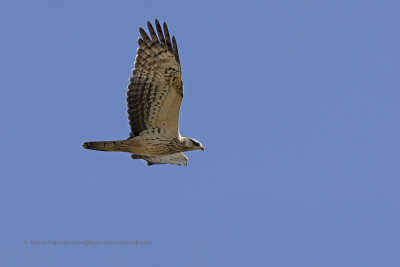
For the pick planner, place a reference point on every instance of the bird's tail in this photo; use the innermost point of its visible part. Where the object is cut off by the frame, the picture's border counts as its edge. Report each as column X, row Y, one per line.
column 105, row 145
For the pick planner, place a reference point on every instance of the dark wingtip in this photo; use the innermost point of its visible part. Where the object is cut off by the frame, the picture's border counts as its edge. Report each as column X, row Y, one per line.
column 149, row 25
column 85, row 145
column 143, row 33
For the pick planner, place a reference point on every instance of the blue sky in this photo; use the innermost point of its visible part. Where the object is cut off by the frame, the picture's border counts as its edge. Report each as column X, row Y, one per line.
column 296, row 103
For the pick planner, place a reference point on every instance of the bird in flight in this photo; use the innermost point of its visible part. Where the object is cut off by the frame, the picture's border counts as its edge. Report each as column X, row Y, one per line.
column 154, row 98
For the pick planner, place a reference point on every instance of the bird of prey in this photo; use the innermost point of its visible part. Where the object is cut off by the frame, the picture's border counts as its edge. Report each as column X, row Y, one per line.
column 154, row 98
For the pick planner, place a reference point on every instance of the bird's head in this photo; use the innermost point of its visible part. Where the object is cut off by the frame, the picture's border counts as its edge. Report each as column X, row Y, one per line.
column 191, row 144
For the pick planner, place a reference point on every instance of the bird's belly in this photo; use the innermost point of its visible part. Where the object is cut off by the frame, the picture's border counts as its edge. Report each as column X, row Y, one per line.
column 152, row 146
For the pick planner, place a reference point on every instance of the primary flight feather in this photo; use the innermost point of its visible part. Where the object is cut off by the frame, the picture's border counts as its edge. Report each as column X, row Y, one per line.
column 154, row 98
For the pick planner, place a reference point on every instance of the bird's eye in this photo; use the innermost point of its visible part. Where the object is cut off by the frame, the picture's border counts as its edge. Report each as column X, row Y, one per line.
column 195, row 143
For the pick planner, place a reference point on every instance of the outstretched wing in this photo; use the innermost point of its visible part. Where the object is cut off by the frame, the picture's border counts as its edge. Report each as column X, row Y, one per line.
column 155, row 91
column 178, row 159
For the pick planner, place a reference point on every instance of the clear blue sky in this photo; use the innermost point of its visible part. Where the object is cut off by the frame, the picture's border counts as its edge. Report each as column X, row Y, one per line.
column 296, row 103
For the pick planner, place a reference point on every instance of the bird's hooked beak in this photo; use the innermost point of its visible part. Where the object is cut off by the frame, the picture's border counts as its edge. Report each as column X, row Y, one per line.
column 202, row 148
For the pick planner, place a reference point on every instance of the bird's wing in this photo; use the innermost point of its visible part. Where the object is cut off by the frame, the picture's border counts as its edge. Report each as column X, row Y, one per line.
column 178, row 159
column 155, row 91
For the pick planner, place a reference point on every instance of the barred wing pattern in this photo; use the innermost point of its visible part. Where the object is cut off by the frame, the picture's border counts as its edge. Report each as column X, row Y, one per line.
column 178, row 159
column 155, row 91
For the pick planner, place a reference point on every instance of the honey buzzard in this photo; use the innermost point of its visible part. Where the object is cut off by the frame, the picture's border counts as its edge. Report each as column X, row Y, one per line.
column 154, row 98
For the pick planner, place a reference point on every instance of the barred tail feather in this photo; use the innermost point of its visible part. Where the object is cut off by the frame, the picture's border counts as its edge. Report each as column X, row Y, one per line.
column 104, row 145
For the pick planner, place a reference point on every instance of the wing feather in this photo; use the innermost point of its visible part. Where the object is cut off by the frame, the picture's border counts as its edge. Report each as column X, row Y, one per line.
column 178, row 159
column 155, row 91
column 160, row 33
column 153, row 35
column 167, row 38
column 175, row 48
